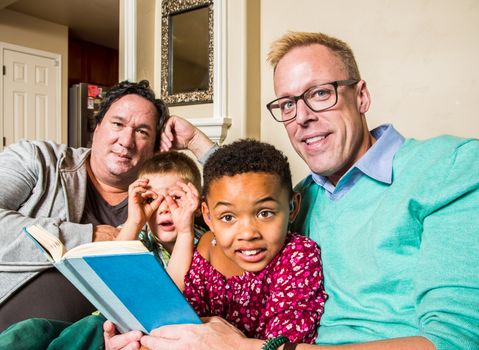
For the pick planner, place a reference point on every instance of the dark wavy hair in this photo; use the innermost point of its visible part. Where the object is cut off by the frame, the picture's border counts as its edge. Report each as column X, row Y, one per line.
column 142, row 89
column 244, row 156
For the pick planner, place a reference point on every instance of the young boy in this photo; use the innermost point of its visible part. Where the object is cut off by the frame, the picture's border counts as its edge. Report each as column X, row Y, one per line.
column 165, row 197
column 168, row 179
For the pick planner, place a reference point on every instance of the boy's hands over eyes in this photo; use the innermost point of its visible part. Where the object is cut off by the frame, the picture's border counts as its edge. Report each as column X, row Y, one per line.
column 142, row 203
column 183, row 203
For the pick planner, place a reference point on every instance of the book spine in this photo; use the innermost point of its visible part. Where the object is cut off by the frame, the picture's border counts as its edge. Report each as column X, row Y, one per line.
column 43, row 250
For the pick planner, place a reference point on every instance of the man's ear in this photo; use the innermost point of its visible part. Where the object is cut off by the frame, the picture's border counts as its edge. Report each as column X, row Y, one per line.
column 364, row 99
column 206, row 215
column 294, row 206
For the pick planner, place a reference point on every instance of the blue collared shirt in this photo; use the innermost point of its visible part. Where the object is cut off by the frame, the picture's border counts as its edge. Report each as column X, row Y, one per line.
column 376, row 163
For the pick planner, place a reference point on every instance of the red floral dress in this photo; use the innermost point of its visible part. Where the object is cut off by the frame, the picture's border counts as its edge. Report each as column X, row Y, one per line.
column 285, row 298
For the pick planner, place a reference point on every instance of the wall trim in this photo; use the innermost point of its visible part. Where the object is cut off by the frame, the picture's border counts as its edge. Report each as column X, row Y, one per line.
column 129, row 36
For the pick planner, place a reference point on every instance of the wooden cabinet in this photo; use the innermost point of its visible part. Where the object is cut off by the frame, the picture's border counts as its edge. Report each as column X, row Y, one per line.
column 91, row 63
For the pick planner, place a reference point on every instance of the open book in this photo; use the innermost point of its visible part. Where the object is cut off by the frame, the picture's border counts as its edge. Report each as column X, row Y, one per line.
column 123, row 279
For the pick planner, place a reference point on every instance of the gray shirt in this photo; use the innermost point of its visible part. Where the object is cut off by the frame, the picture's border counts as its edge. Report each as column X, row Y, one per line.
column 40, row 183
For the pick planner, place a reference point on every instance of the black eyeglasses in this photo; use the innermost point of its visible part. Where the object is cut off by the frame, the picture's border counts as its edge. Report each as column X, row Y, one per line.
column 318, row 98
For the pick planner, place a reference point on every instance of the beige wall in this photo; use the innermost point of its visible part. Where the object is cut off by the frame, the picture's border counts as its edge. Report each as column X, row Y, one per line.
column 146, row 41
column 31, row 32
column 419, row 58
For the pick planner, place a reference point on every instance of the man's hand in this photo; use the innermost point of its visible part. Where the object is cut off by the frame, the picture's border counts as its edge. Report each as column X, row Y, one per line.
column 215, row 334
column 104, row 233
column 180, row 134
column 115, row 341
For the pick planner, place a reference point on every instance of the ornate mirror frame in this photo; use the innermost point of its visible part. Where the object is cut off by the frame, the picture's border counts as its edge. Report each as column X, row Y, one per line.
column 168, row 9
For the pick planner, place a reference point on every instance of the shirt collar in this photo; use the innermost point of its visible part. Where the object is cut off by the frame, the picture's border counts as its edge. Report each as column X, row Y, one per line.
column 376, row 163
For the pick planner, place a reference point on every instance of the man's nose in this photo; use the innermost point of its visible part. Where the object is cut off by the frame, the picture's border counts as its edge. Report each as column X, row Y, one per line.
column 304, row 114
column 127, row 138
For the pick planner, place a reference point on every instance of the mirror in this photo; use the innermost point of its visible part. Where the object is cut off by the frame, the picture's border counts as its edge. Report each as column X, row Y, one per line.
column 187, row 51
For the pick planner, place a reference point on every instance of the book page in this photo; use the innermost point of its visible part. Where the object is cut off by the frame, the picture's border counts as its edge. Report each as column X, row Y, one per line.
column 50, row 244
column 106, row 248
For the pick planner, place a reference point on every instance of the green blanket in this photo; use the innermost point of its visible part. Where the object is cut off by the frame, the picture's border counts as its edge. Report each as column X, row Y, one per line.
column 41, row 334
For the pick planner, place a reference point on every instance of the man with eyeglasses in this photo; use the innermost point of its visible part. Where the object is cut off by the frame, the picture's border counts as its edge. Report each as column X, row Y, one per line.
column 397, row 219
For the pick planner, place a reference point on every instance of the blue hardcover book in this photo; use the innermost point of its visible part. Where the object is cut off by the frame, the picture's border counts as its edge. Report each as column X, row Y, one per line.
column 125, row 281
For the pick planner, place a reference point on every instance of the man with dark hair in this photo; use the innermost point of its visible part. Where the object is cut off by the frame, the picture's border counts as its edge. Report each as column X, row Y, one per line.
column 142, row 89
column 80, row 195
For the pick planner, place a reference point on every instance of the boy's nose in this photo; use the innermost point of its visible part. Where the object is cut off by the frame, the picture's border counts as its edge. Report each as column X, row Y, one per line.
column 163, row 208
column 163, row 211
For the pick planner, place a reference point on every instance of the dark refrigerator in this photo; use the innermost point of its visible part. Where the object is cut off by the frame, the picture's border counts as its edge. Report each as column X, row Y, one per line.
column 83, row 102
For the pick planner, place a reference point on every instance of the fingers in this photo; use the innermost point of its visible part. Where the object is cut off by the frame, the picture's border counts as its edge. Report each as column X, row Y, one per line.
column 114, row 341
column 148, row 196
column 156, row 201
column 177, row 134
column 141, row 182
column 104, row 233
column 216, row 334
column 172, row 203
column 172, row 337
column 138, row 190
column 165, row 144
column 127, row 341
column 151, row 342
column 168, row 128
column 171, row 332
column 188, row 188
column 187, row 196
column 109, row 329
column 167, row 137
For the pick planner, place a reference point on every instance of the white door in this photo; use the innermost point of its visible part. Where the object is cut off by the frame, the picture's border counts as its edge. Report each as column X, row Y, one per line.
column 30, row 95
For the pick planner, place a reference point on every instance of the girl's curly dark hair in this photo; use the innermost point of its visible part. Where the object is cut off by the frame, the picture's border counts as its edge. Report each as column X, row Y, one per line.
column 142, row 89
column 244, row 156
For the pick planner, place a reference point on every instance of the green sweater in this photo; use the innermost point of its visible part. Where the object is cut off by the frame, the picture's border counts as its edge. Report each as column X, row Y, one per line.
column 402, row 259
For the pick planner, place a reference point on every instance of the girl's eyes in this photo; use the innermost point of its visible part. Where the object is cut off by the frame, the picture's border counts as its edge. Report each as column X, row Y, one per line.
column 227, row 218
column 265, row 214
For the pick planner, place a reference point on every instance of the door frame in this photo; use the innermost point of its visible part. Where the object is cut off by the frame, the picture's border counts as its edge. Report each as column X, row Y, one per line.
column 58, row 77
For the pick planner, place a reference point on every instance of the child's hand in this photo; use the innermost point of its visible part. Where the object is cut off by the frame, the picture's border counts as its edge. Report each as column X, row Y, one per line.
column 183, row 203
column 142, row 203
